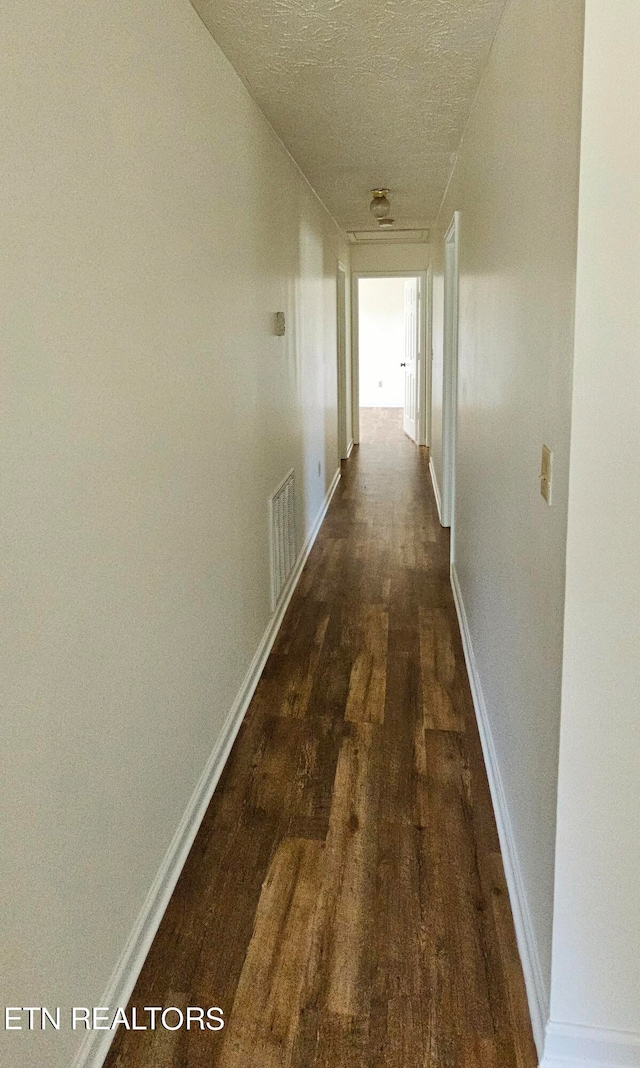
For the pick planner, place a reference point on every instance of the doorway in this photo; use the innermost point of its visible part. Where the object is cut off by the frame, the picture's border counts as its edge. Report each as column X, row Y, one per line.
column 390, row 369
column 450, row 378
column 345, row 440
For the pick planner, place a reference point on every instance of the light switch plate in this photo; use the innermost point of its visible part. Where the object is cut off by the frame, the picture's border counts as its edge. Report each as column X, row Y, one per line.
column 546, row 473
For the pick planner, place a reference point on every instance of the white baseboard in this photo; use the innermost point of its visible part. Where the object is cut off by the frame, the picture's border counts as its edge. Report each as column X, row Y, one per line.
column 537, row 993
column 436, row 488
column 349, row 448
column 95, row 1046
column 572, row 1046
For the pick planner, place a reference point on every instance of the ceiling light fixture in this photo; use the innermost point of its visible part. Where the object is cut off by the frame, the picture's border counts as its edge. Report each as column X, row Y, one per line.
column 380, row 207
column 386, row 223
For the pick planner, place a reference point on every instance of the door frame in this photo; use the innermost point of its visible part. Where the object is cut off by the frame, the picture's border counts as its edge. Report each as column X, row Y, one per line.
column 423, row 365
column 342, row 277
column 450, row 375
column 425, row 428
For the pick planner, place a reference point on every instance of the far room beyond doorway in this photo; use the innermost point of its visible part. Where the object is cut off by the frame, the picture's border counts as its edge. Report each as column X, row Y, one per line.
column 389, row 331
column 381, row 342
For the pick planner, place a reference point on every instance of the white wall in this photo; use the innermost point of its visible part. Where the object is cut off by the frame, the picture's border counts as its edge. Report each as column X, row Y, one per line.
column 381, row 342
column 389, row 256
column 515, row 183
column 596, row 946
column 152, row 225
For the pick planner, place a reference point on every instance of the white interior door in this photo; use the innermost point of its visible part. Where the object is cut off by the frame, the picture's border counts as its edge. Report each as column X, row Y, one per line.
column 411, row 331
column 343, row 383
column 450, row 379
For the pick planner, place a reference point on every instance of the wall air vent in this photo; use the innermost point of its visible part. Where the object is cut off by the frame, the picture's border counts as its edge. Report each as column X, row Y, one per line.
column 282, row 519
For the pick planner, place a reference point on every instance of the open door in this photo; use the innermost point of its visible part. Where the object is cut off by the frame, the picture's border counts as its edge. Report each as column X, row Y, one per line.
column 410, row 363
column 450, row 378
column 344, row 397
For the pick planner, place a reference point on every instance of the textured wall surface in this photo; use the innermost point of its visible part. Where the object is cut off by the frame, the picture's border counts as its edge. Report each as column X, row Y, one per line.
column 388, row 256
column 363, row 92
column 152, row 224
column 596, row 943
column 516, row 187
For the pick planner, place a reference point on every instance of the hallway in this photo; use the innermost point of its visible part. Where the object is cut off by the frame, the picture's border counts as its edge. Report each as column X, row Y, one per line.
column 344, row 902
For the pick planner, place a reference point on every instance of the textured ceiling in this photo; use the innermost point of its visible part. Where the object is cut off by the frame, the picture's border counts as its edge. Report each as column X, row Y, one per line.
column 363, row 93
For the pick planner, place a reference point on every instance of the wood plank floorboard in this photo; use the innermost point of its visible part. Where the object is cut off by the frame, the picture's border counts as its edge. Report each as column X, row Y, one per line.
column 344, row 902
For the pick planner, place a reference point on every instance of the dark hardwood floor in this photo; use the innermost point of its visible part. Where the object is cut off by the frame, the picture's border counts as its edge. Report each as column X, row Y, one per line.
column 344, row 902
